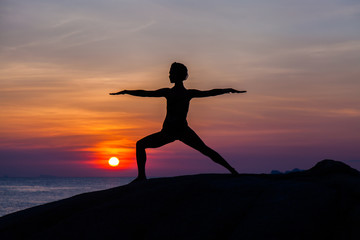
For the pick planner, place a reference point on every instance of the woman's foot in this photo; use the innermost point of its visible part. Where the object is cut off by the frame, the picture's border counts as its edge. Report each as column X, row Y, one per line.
column 233, row 172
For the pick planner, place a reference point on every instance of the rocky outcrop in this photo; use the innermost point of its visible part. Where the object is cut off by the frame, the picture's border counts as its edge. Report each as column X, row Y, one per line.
column 329, row 166
column 320, row 203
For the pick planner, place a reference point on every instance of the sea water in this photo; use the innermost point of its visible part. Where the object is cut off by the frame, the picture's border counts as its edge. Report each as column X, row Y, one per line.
column 21, row 193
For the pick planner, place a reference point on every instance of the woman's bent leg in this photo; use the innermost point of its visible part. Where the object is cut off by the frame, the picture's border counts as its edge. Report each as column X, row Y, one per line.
column 152, row 141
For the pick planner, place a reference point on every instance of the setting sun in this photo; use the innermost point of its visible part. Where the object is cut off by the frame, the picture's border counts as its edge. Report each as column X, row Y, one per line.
column 114, row 161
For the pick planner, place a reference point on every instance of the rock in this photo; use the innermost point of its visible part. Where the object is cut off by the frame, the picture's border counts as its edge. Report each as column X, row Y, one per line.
column 276, row 172
column 295, row 170
column 207, row 206
column 329, row 166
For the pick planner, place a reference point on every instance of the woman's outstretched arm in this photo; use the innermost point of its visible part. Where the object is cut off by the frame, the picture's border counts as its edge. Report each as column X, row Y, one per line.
column 144, row 93
column 214, row 92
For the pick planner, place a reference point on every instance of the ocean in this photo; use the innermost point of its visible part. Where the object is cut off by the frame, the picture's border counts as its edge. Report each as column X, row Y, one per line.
column 20, row 193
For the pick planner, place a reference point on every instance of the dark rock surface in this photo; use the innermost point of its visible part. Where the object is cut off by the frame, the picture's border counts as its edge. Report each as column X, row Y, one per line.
column 320, row 203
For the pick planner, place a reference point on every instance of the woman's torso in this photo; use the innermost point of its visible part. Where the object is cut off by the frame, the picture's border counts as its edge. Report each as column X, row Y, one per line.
column 177, row 107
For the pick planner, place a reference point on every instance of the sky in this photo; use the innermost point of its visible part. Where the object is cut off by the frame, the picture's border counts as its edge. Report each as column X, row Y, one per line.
column 298, row 60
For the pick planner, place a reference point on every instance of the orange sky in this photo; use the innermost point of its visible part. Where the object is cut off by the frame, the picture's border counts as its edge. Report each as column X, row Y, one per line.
column 59, row 60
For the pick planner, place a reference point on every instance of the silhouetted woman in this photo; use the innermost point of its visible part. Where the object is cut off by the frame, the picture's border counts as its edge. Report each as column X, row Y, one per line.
column 175, row 126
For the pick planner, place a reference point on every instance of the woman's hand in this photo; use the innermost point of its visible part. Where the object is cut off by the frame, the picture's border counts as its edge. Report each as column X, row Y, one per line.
column 119, row 93
column 231, row 90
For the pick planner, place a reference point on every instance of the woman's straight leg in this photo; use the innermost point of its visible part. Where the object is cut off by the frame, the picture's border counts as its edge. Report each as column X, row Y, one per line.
column 191, row 139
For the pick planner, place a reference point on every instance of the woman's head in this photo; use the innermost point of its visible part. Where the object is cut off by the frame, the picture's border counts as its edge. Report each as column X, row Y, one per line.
column 178, row 72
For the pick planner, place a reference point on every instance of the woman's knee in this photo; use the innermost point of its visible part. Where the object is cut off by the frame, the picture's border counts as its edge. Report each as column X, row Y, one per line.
column 140, row 144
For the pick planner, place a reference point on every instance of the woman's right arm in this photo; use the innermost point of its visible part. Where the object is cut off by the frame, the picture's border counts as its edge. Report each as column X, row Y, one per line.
column 144, row 93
